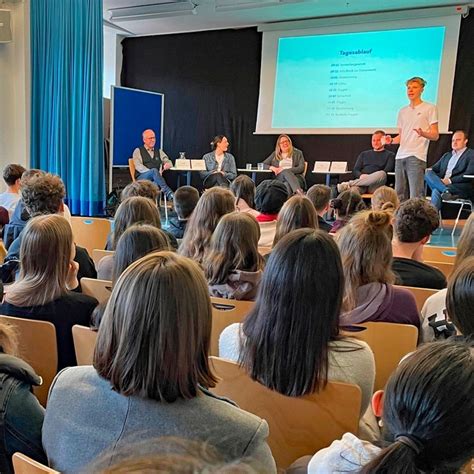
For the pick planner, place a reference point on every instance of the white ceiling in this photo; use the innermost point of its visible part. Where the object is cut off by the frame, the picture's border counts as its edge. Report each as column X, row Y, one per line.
column 207, row 18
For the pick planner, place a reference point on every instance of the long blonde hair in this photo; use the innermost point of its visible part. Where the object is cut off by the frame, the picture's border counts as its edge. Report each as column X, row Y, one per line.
column 466, row 242
column 45, row 255
column 366, row 252
column 278, row 154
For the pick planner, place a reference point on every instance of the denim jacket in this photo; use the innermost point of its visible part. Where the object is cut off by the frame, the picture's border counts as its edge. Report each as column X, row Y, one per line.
column 21, row 415
column 228, row 166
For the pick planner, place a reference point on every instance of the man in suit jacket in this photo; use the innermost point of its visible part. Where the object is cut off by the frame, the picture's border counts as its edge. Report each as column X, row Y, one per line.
column 446, row 177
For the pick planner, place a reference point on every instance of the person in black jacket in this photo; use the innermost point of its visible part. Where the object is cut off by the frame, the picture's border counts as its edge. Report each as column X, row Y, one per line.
column 21, row 416
column 371, row 167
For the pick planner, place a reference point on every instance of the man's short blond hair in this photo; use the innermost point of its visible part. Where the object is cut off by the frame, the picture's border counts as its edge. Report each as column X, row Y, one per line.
column 420, row 81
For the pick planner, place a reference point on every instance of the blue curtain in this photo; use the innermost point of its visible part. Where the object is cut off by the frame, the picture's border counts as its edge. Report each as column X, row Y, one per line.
column 66, row 98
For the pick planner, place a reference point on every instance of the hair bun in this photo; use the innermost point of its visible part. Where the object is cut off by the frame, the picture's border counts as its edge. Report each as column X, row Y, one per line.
column 378, row 219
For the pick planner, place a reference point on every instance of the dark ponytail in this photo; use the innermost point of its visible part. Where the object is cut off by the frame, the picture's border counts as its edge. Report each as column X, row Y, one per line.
column 428, row 412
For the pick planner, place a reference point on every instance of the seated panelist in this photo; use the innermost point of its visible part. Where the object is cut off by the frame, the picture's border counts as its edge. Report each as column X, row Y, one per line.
column 150, row 162
column 287, row 163
column 446, row 177
column 220, row 165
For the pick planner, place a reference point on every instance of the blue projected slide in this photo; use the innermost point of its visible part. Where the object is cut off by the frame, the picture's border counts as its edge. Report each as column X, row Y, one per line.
column 341, row 80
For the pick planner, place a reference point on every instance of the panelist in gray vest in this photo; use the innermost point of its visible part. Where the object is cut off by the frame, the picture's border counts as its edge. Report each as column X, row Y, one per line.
column 150, row 162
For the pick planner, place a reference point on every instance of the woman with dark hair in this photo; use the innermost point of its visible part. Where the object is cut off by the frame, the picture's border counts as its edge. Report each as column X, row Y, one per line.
column 345, row 206
column 220, row 165
column 297, row 213
column 365, row 244
column 434, row 322
column 21, row 417
column 287, row 163
column 290, row 341
column 150, row 367
column 427, row 411
column 244, row 191
column 137, row 241
column 212, row 205
column 135, row 210
column 233, row 266
column 460, row 298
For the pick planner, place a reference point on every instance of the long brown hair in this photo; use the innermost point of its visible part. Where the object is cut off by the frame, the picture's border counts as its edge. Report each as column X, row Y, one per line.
column 366, row 252
column 278, row 152
column 214, row 203
column 45, row 255
column 153, row 339
column 134, row 210
column 297, row 213
column 234, row 246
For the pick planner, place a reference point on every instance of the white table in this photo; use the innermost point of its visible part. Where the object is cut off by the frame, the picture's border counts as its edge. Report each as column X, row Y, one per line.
column 331, row 173
column 254, row 172
column 188, row 174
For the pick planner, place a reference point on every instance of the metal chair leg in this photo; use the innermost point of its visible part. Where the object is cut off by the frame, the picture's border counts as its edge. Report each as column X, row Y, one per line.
column 458, row 216
column 166, row 208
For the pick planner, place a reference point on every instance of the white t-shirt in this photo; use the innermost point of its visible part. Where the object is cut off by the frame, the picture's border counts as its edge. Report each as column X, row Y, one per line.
column 286, row 162
column 410, row 118
column 9, row 201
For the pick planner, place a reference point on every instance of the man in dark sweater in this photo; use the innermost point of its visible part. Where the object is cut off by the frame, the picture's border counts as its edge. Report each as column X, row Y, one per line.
column 371, row 167
column 415, row 221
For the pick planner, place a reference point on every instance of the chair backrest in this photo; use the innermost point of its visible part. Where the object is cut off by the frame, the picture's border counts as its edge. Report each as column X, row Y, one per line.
column 444, row 267
column 84, row 344
column 298, row 425
column 98, row 255
column 99, row 289
column 389, row 342
column 131, row 168
column 433, row 253
column 305, row 168
column 224, row 313
column 38, row 347
column 264, row 250
column 90, row 232
column 420, row 294
column 22, row 464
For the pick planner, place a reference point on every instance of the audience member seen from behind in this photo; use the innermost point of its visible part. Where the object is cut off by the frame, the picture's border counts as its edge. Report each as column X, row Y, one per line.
column 415, row 221
column 48, row 273
column 12, row 176
column 233, row 266
column 296, row 348
column 220, row 165
column 269, row 199
column 173, row 455
column 385, row 199
column 369, row 294
column 136, row 242
column 244, row 191
column 143, row 188
column 43, row 194
column 427, row 411
column 460, row 298
column 296, row 213
column 135, row 210
column 22, row 415
column 435, row 324
column 320, row 196
column 185, row 200
column 287, row 163
column 214, row 204
column 150, row 364
column 347, row 204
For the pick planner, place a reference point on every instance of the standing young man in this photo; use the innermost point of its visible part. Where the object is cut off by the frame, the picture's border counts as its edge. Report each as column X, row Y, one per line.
column 417, row 125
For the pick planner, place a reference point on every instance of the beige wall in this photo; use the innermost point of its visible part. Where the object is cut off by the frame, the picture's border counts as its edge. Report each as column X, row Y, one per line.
column 14, row 89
